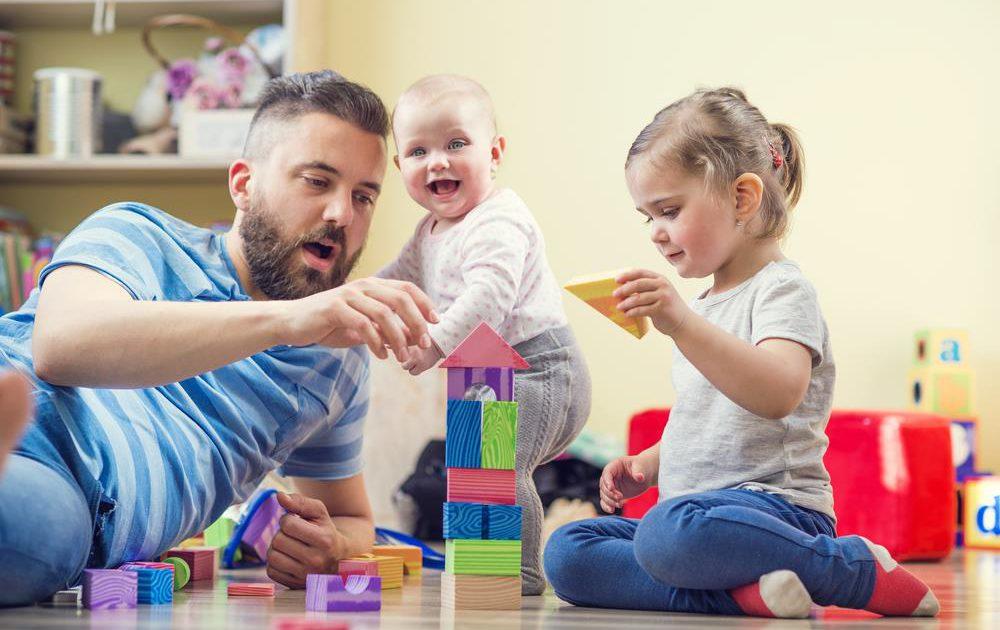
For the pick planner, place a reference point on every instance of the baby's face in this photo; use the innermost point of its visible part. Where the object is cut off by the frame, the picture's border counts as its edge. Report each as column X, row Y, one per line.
column 448, row 149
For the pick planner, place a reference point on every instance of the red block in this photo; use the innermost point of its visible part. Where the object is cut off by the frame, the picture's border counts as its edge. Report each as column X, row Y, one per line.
column 892, row 475
column 481, row 485
column 893, row 480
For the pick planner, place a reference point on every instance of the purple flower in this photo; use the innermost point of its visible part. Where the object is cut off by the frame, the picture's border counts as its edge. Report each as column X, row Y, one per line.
column 203, row 94
column 233, row 65
column 231, row 95
column 180, row 76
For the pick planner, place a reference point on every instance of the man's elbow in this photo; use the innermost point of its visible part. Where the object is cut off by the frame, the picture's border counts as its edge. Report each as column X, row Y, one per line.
column 50, row 365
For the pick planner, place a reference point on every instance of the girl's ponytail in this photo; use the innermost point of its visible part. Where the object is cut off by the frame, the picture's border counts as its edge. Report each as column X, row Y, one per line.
column 792, row 171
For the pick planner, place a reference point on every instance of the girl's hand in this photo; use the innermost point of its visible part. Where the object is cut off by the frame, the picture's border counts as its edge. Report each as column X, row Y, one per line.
column 622, row 479
column 422, row 359
column 647, row 294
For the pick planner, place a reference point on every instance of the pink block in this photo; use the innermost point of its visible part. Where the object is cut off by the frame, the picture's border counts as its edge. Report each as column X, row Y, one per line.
column 481, row 485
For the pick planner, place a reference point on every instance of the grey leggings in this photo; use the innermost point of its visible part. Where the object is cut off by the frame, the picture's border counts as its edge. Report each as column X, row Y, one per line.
column 553, row 399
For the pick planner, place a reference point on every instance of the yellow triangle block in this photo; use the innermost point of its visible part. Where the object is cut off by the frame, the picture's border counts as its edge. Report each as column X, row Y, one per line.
column 596, row 291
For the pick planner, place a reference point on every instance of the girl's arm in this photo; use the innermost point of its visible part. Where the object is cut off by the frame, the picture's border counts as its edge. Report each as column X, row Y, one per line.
column 769, row 379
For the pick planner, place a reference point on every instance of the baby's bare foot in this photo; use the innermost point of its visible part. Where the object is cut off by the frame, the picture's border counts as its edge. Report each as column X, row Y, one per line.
column 15, row 411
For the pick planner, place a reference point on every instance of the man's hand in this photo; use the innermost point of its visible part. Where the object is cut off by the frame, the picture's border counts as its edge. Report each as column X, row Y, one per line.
column 647, row 294
column 373, row 311
column 308, row 542
column 422, row 359
column 623, row 478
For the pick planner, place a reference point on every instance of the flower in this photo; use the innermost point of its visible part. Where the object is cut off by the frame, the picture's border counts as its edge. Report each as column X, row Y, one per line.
column 232, row 65
column 203, row 94
column 180, row 75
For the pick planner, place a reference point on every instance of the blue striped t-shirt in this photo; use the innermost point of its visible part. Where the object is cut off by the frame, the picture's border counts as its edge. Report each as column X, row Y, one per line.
column 160, row 464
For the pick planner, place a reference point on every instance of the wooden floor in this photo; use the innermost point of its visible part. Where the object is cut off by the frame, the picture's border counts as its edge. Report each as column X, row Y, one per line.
column 968, row 585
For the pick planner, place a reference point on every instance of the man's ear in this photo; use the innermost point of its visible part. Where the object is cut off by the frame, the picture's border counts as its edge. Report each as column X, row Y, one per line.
column 748, row 190
column 239, row 184
column 395, row 160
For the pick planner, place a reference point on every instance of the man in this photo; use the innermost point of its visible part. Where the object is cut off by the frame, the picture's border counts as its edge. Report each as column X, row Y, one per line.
column 173, row 368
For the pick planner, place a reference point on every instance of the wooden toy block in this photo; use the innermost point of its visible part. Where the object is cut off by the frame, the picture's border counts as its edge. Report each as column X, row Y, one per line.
column 154, row 586
column 963, row 447
column 940, row 347
column 463, row 442
column 464, row 520
column 69, row 598
column 106, row 589
column 503, row 522
column 483, row 347
column 250, row 589
column 981, row 518
column 219, row 533
column 200, row 560
column 499, row 434
column 943, row 391
column 357, row 566
column 481, row 485
column 331, row 593
column 182, row 572
column 596, row 290
column 480, row 592
column 500, row 380
column 390, row 569
column 263, row 526
column 483, row 557
column 413, row 556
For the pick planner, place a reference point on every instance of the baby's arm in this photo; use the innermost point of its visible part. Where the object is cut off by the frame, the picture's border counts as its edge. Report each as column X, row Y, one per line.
column 492, row 266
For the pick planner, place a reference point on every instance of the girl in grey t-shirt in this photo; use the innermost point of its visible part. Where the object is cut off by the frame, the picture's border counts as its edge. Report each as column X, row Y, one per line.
column 746, row 522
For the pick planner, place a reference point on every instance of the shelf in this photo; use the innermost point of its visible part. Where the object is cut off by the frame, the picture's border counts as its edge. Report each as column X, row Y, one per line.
column 79, row 13
column 151, row 169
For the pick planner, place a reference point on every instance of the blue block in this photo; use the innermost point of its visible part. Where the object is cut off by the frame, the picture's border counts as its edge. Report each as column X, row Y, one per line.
column 155, row 586
column 503, row 522
column 463, row 520
column 463, row 446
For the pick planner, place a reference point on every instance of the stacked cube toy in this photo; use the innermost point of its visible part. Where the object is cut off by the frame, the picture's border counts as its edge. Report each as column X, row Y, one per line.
column 482, row 525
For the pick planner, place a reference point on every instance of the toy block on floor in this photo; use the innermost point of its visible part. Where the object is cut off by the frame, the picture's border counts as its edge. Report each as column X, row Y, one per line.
column 942, row 390
column 499, row 434
column 463, row 447
column 963, row 447
column 464, row 520
column 106, row 589
column 331, row 593
column 153, row 586
column 357, row 566
column 250, row 589
column 503, row 522
column 480, row 485
column 596, row 290
column 200, row 560
column 941, row 346
column 982, row 513
column 69, row 598
column 182, row 572
column 413, row 556
column 264, row 524
column 483, row 557
column 484, row 348
column 390, row 569
column 219, row 533
column 480, row 592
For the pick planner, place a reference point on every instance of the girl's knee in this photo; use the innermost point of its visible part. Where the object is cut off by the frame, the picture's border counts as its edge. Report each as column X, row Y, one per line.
column 565, row 562
column 666, row 542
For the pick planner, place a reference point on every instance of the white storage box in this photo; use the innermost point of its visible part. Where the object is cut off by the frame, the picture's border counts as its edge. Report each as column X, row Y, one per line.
column 213, row 133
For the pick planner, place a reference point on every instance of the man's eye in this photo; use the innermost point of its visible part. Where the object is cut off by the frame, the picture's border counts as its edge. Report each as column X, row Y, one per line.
column 365, row 199
column 312, row 181
column 456, row 144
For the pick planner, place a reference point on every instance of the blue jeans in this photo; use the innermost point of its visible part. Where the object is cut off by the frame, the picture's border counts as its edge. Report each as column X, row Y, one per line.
column 46, row 531
column 687, row 552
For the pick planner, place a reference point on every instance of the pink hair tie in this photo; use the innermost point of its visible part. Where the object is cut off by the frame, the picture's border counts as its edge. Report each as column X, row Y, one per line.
column 776, row 157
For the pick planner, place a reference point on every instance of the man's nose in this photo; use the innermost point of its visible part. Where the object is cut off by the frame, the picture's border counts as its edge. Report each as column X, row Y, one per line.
column 339, row 210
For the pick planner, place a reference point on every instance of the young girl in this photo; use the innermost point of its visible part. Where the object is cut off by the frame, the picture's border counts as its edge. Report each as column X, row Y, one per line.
column 480, row 256
column 746, row 523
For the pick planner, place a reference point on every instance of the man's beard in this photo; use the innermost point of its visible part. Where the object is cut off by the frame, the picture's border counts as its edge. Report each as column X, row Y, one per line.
column 276, row 266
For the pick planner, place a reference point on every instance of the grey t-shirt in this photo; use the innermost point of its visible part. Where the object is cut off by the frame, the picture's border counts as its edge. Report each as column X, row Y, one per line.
column 711, row 443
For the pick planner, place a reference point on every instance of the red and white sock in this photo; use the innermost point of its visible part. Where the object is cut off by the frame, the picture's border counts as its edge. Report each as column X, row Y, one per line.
column 776, row 594
column 897, row 592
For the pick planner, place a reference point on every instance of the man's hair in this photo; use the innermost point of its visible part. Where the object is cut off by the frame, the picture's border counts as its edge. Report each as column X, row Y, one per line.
column 286, row 98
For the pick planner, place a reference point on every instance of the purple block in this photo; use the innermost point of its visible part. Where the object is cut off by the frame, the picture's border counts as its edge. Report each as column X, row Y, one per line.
column 501, row 380
column 263, row 526
column 104, row 589
column 330, row 593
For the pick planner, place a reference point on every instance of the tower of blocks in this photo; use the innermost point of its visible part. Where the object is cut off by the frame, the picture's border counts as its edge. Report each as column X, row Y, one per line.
column 482, row 525
column 942, row 383
column 596, row 290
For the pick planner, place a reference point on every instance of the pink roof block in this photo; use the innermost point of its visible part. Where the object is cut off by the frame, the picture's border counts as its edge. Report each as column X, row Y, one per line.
column 484, row 348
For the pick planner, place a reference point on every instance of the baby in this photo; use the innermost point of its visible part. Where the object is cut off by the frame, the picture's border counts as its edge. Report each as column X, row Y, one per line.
column 480, row 256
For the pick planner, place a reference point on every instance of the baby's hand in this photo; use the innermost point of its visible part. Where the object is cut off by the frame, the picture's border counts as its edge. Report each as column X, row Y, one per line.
column 422, row 359
column 647, row 294
column 622, row 479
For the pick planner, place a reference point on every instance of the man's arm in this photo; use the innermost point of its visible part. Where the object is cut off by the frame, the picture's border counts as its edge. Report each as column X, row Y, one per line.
column 89, row 332
column 326, row 522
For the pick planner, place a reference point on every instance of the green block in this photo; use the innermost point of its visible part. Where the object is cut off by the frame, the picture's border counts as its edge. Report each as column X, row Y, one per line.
column 482, row 557
column 499, row 434
column 219, row 533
